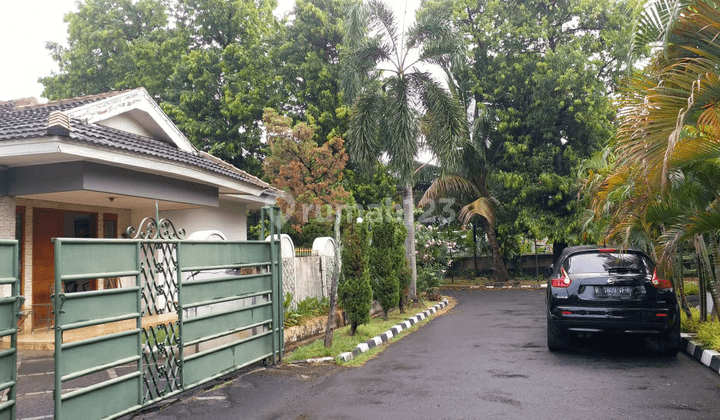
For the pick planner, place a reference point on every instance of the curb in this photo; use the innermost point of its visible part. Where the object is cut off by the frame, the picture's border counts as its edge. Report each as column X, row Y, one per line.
column 709, row 358
column 491, row 287
column 378, row 341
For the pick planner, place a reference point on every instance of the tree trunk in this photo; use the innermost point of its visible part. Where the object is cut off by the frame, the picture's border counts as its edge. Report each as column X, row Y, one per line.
column 409, row 219
column 708, row 279
column 499, row 270
column 474, row 225
column 558, row 249
column 714, row 257
column 680, row 284
column 330, row 327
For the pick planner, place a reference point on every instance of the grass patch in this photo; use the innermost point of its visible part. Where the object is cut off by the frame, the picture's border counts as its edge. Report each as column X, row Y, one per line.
column 343, row 342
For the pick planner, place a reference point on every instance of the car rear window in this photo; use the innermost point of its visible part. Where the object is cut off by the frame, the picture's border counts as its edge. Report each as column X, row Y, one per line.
column 607, row 263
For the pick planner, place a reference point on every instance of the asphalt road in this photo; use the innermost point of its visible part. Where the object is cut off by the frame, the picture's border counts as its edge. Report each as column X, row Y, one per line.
column 485, row 359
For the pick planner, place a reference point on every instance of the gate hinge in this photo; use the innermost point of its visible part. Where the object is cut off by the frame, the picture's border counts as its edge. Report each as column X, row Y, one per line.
column 19, row 300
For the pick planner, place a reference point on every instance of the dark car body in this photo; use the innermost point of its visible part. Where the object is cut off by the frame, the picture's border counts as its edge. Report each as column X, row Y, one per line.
column 596, row 290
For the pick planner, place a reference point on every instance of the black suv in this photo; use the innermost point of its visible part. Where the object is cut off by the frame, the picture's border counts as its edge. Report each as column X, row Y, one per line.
column 605, row 290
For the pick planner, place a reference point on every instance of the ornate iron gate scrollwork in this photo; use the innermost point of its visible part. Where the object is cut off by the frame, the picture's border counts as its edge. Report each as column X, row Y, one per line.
column 159, row 294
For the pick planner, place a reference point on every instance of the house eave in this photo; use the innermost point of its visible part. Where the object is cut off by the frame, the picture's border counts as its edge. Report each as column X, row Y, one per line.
column 56, row 149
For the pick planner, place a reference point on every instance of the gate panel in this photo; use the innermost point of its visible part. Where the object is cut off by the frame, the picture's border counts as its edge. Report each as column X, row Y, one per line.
column 106, row 400
column 218, row 301
column 86, row 315
column 200, row 292
column 9, row 309
column 202, row 367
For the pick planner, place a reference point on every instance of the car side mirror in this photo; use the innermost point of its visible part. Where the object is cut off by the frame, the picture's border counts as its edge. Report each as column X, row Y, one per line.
column 550, row 269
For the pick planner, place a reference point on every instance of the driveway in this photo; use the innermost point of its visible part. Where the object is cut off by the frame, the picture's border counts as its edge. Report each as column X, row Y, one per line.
column 486, row 359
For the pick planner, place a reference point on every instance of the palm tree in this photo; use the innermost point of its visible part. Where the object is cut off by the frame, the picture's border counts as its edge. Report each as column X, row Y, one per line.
column 468, row 175
column 668, row 144
column 396, row 104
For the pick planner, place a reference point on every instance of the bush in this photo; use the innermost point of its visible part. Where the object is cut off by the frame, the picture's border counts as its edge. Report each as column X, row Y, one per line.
column 308, row 308
column 691, row 289
column 690, row 325
column 433, row 256
column 708, row 333
column 354, row 291
column 389, row 268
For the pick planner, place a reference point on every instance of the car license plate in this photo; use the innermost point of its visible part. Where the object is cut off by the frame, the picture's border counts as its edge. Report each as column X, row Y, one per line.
column 613, row 291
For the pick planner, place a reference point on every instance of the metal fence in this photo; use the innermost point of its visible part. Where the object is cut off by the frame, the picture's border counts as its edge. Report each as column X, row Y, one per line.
column 9, row 311
column 198, row 310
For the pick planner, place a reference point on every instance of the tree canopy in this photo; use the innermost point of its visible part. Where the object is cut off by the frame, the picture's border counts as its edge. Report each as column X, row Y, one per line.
column 206, row 62
column 543, row 74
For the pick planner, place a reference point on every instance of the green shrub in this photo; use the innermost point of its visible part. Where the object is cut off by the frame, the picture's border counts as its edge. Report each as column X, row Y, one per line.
column 354, row 290
column 708, row 333
column 308, row 308
column 690, row 325
column 691, row 289
column 388, row 264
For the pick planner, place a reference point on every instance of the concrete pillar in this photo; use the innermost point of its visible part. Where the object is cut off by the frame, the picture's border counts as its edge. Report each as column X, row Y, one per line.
column 7, row 230
column 7, row 217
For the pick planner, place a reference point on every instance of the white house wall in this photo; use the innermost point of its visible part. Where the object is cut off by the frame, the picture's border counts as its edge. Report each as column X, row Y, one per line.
column 126, row 122
column 229, row 218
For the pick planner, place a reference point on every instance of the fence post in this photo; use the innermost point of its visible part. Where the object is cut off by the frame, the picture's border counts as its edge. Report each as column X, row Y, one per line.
column 179, row 308
column 138, row 322
column 57, row 309
column 273, row 271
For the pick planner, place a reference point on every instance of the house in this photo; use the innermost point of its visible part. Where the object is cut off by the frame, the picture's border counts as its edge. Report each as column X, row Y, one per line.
column 94, row 165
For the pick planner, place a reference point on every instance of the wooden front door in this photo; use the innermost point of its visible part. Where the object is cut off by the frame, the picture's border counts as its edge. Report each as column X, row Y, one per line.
column 47, row 224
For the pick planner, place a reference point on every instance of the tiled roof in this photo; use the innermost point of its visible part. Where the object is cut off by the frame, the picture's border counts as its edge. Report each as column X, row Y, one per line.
column 32, row 121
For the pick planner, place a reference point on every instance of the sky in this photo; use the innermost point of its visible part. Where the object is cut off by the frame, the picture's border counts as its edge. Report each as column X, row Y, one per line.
column 26, row 25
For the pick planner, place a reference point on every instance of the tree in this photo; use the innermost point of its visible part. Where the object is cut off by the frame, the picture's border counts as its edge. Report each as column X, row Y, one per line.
column 206, row 62
column 311, row 174
column 309, row 63
column 354, row 291
column 466, row 172
column 665, row 179
column 102, row 36
column 542, row 76
column 394, row 105
column 387, row 259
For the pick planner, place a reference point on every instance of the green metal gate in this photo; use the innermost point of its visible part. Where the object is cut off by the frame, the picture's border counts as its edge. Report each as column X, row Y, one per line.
column 197, row 310
column 9, row 310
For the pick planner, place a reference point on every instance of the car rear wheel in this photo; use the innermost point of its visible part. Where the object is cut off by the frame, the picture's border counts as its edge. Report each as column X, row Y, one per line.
column 669, row 343
column 556, row 340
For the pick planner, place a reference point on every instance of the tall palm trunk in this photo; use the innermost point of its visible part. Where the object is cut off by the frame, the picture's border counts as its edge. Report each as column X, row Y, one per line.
column 708, row 278
column 499, row 270
column 409, row 219
column 680, row 284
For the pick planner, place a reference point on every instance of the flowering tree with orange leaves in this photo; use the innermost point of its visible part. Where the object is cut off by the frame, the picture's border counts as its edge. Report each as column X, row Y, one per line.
column 311, row 174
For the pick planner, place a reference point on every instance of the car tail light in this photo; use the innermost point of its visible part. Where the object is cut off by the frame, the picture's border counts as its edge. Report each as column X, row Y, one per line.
column 660, row 283
column 563, row 281
column 607, row 250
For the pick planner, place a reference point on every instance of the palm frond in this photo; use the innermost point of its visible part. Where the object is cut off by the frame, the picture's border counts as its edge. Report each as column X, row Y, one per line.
column 446, row 185
column 444, row 122
column 382, row 20
column 363, row 142
column 483, row 207
column 402, row 129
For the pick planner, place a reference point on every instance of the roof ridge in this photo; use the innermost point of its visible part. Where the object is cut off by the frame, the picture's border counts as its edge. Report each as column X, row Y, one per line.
column 93, row 98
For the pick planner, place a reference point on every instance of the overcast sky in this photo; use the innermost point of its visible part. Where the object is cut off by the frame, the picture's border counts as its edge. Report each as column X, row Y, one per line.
column 25, row 26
